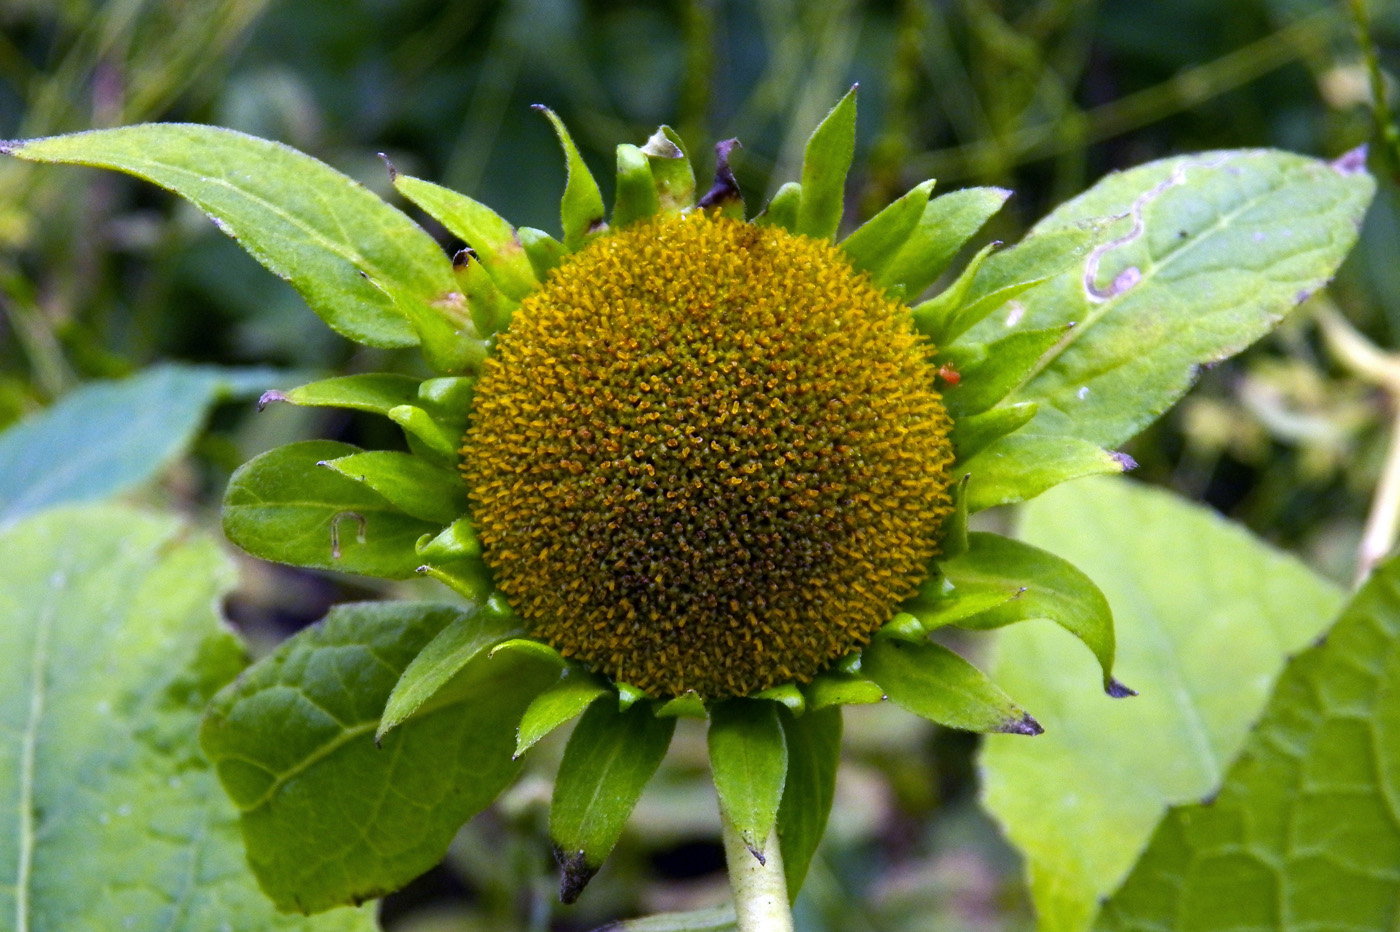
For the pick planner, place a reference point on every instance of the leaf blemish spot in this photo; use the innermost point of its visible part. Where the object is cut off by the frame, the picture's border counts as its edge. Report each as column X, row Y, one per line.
column 360, row 523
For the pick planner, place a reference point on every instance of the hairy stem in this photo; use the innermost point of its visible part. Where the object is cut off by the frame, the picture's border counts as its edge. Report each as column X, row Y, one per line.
column 760, row 889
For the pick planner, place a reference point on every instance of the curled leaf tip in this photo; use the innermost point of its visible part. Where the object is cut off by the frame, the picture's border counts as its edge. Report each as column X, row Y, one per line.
column 9, row 146
column 269, row 397
column 1124, row 461
column 757, row 854
column 1349, row 163
column 1025, row 725
column 1118, row 690
column 726, row 188
column 660, row 146
column 393, row 172
column 574, row 874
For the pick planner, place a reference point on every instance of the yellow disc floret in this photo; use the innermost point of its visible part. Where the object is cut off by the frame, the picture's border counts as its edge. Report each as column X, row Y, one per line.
column 708, row 456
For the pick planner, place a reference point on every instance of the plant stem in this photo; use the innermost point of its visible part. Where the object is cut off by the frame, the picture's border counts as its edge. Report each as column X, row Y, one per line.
column 760, row 889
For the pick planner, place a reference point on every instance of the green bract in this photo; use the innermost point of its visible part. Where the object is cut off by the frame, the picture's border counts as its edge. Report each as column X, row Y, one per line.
column 1044, row 356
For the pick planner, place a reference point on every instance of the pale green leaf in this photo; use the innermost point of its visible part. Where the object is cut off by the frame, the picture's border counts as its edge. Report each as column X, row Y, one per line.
column 948, row 222
column 375, row 392
column 329, row 817
column 109, row 437
column 671, row 170
column 989, row 371
column 975, row 432
column 610, row 758
column 782, row 208
column 813, row 756
column 748, row 761
column 1204, row 615
column 874, row 245
column 109, row 648
column 1305, row 832
column 581, row 208
column 1209, row 253
column 934, row 683
column 835, row 688
column 350, row 255
column 636, row 198
column 415, row 487
column 282, row 506
column 715, row 919
column 545, row 252
column 562, row 702
column 1024, row 464
column 825, row 163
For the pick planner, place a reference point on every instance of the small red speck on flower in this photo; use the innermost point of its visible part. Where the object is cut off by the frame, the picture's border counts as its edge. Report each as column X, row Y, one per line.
column 948, row 374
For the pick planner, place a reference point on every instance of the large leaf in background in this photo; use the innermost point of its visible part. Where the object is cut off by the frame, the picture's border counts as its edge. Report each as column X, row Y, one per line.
column 1305, row 833
column 1206, row 616
column 329, row 817
column 110, row 818
column 107, row 437
column 346, row 251
column 1211, row 251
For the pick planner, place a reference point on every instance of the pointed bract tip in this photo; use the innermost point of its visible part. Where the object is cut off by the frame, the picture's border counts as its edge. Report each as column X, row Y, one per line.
column 1025, row 725
column 1118, row 690
column 10, row 146
column 660, row 146
column 726, row 187
column 393, row 172
column 1124, row 461
column 574, row 874
column 269, row 397
column 1349, row 163
column 757, row 854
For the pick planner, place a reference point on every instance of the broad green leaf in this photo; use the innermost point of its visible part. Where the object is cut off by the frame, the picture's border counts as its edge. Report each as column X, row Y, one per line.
column 974, row 433
column 948, row 222
column 106, row 438
column 375, row 392
column 427, row 682
column 329, row 817
column 348, row 253
column 1209, row 253
column 562, row 702
column 494, row 240
column 825, row 163
column 608, row 761
column 748, row 761
column 416, row 488
column 1045, row 587
column 636, row 197
column 715, row 919
column 988, row 372
column 1304, row 833
column 782, row 209
column 813, row 756
column 671, row 170
column 1024, row 464
column 1204, row 615
column 934, row 683
column 581, row 208
column 282, row 506
column 873, row 246
column 110, row 647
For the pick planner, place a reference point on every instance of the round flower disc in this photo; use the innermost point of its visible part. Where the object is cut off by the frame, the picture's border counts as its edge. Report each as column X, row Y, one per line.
column 708, row 456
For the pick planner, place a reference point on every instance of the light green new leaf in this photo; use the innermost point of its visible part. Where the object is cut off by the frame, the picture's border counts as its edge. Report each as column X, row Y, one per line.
column 282, row 506
column 348, row 253
column 328, row 816
column 825, row 163
column 1305, row 832
column 813, row 756
column 1023, row 464
column 428, row 681
column 610, row 758
column 416, row 488
column 872, row 247
column 948, row 222
column 1209, row 253
column 636, row 198
column 973, row 434
column 375, row 392
column 748, row 761
column 670, row 170
column 581, row 208
column 782, row 209
column 1205, row 616
column 108, row 437
column 562, row 702
column 109, row 648
column 934, row 683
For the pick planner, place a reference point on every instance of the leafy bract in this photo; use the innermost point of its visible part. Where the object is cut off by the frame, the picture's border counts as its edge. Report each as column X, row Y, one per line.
column 283, row 506
column 109, row 649
column 934, row 683
column 1209, row 252
column 108, row 437
column 1305, row 831
column 1205, row 616
column 748, row 759
column 825, row 163
column 329, row 817
column 813, row 755
column 359, row 263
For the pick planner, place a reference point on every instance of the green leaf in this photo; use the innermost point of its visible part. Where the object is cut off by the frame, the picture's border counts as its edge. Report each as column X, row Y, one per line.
column 1045, row 587
column 748, row 760
column 874, row 245
column 933, row 682
column 671, row 170
column 110, row 647
column 494, row 240
column 581, row 208
column 427, row 682
column 1022, row 465
column 1209, row 253
column 1205, row 616
column 1304, row 833
column 813, row 756
column 358, row 262
column 415, row 487
column 376, row 392
column 946, row 225
column 109, row 437
column 782, row 209
column 608, row 761
column 974, row 433
column 636, row 197
column 834, row 688
column 456, row 541
column 421, row 426
column 281, row 506
column 561, row 703
column 825, row 163
column 988, row 372
column 545, row 252
column 328, row 816
column 715, row 919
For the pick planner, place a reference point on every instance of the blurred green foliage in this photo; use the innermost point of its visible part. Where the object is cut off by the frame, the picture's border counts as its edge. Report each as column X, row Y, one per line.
column 100, row 276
